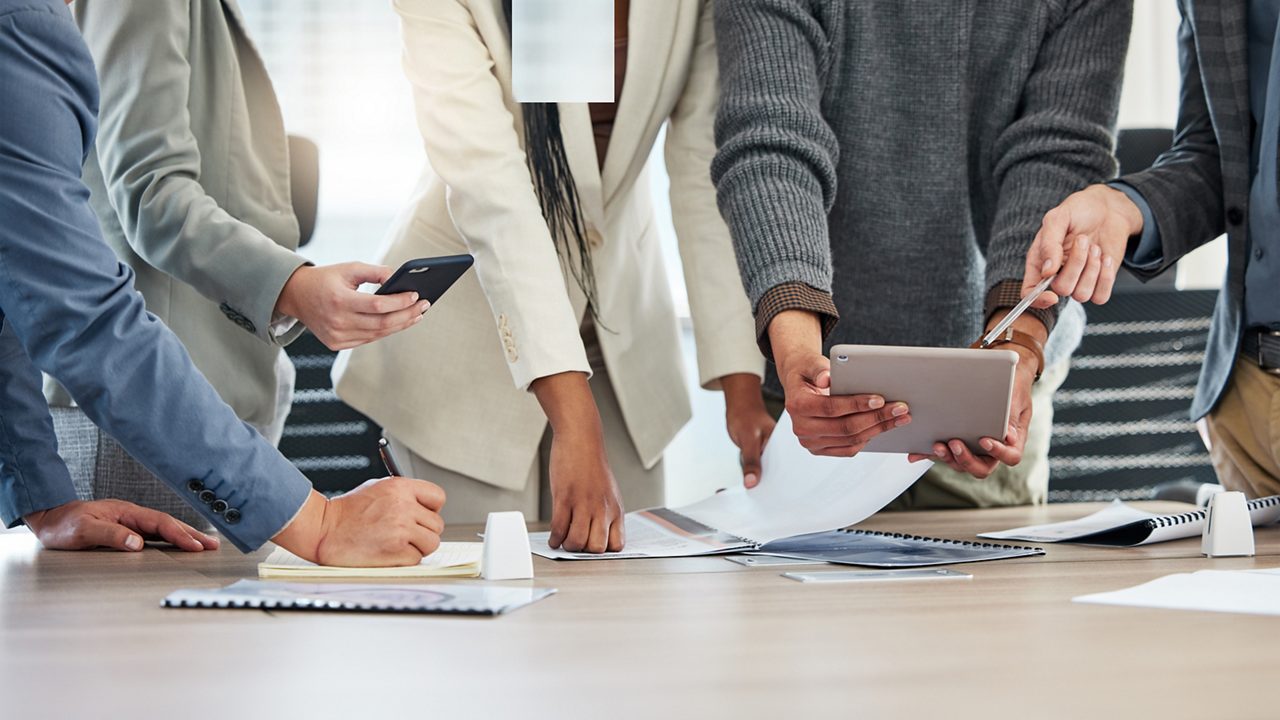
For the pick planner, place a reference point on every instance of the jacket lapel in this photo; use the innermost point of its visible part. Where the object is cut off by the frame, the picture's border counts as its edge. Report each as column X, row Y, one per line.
column 1226, row 23
column 651, row 34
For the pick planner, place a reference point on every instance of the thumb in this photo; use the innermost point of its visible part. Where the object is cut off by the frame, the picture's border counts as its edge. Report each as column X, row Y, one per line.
column 818, row 371
column 102, row 533
column 357, row 273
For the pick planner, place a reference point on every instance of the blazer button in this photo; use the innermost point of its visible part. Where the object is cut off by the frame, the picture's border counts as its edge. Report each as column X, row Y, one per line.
column 594, row 238
column 207, row 496
column 232, row 516
column 1235, row 215
column 195, row 486
column 219, row 506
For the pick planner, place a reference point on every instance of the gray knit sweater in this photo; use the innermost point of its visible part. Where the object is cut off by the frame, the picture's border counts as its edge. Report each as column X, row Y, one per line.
column 900, row 154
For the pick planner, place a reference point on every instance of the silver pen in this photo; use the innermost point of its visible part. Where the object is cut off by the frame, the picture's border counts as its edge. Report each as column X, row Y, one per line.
column 1017, row 311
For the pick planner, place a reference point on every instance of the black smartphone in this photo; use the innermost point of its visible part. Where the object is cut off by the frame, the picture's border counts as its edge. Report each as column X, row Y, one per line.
column 429, row 277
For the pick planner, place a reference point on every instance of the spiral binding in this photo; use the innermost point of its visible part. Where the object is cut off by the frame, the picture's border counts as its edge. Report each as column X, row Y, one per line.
column 941, row 541
column 1198, row 515
column 306, row 604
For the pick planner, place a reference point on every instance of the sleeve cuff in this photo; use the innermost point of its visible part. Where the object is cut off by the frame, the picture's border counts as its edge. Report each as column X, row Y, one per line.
column 1007, row 294
column 793, row 296
column 1146, row 252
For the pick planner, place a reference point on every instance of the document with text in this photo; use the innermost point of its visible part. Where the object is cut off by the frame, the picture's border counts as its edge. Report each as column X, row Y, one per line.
column 799, row 493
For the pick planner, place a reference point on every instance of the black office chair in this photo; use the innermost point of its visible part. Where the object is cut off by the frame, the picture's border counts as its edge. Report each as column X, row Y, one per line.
column 1121, row 425
column 304, row 182
column 1137, row 150
column 324, row 437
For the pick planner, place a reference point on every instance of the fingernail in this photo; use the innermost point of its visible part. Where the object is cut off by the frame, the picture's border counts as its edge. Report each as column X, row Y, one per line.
column 939, row 452
column 1108, row 262
column 414, row 296
column 876, row 402
column 1095, row 251
column 1048, row 265
column 902, row 421
column 957, row 447
column 133, row 542
column 985, row 443
column 899, row 410
column 1084, row 242
column 751, row 479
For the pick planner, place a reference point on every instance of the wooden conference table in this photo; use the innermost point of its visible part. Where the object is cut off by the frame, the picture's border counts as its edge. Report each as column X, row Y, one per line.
column 82, row 636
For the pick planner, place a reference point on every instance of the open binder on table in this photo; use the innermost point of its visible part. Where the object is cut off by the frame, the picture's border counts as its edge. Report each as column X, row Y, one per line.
column 1121, row 525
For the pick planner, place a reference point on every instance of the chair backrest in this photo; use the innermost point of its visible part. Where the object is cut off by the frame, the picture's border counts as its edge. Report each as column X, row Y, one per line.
column 1138, row 148
column 304, row 182
column 1121, row 423
column 330, row 442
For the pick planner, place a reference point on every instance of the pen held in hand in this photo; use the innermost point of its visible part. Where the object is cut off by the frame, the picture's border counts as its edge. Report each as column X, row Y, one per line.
column 1017, row 311
column 389, row 462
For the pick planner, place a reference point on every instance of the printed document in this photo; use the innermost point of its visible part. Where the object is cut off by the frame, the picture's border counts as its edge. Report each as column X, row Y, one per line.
column 1252, row 592
column 799, row 493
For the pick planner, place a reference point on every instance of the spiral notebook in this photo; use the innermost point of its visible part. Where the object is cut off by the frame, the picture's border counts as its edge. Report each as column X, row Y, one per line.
column 1122, row 525
column 888, row 550
column 452, row 599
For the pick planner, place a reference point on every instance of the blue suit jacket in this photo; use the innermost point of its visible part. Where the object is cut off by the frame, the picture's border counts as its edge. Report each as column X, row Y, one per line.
column 68, row 307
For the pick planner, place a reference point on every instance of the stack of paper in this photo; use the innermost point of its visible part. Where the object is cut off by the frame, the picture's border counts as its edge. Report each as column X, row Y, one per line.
column 799, row 493
column 1253, row 592
column 452, row 559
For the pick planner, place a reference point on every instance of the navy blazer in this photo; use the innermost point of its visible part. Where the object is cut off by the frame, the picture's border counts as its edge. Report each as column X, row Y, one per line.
column 1200, row 187
column 68, row 307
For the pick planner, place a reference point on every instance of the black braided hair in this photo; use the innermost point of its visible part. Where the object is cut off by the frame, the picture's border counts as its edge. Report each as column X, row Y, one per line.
column 557, row 191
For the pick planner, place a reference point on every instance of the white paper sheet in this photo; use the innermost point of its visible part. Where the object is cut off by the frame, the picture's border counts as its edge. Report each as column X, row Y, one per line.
column 451, row 559
column 1253, row 592
column 798, row 493
column 1112, row 516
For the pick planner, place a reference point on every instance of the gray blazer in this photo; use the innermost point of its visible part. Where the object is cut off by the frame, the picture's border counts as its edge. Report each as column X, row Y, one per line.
column 190, row 181
column 1201, row 186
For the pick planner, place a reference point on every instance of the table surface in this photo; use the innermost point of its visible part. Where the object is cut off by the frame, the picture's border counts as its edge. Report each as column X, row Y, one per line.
column 83, row 635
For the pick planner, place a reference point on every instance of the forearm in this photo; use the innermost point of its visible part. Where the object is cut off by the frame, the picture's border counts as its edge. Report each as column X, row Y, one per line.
column 775, row 168
column 32, row 476
column 795, row 333
column 1061, row 140
column 567, row 401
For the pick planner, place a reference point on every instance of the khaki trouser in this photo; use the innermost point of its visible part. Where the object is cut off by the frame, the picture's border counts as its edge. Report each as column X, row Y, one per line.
column 1244, row 429
column 1024, row 484
column 470, row 501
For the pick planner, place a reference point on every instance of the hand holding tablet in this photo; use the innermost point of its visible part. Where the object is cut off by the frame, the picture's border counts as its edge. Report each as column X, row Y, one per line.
column 954, row 394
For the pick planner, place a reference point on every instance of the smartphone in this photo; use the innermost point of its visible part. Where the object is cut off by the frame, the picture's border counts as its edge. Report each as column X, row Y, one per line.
column 429, row 277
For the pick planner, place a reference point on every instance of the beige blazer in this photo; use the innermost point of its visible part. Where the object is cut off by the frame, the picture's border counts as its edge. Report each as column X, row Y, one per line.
column 190, row 182
column 454, row 389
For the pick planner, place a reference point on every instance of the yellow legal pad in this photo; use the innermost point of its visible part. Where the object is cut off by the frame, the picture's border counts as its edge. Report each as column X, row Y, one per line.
column 452, row 559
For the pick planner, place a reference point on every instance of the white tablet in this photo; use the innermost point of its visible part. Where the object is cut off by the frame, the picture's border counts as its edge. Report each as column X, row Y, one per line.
column 952, row 393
